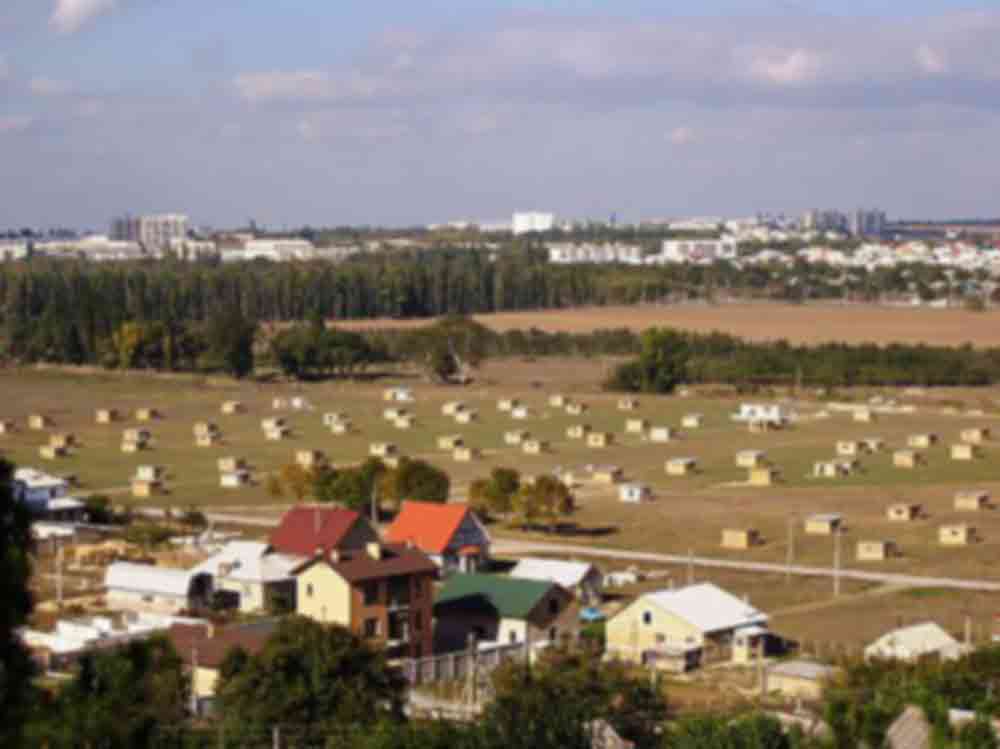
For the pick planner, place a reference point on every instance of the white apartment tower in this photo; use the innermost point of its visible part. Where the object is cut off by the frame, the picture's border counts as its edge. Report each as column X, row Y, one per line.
column 150, row 231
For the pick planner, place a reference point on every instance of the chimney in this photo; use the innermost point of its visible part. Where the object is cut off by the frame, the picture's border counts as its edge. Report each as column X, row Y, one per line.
column 374, row 550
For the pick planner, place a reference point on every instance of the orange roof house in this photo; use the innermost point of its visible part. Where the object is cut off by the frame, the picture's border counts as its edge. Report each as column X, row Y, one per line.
column 450, row 534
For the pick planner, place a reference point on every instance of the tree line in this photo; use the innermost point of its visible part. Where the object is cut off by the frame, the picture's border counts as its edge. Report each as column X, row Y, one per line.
column 669, row 358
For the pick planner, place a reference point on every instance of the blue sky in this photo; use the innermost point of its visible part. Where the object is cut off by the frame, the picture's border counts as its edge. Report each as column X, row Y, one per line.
column 394, row 112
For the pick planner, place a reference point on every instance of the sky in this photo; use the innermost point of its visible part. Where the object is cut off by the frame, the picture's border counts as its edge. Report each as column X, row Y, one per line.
column 395, row 112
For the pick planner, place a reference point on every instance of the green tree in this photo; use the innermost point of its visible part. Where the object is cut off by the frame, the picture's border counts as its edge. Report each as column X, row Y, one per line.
column 16, row 670
column 416, row 480
column 317, row 681
column 495, row 495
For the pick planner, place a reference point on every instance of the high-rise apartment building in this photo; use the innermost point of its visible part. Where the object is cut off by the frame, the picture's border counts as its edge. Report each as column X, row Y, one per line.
column 865, row 223
column 150, row 231
column 525, row 223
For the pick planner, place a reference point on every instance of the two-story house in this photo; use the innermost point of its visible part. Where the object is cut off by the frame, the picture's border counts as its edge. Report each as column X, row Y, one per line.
column 383, row 592
column 449, row 533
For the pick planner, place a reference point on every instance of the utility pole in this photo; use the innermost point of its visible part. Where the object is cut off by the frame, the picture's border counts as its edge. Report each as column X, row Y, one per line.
column 836, row 562
column 791, row 548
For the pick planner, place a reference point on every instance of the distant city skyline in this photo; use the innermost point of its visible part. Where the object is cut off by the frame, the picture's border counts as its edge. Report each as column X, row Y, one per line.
column 398, row 113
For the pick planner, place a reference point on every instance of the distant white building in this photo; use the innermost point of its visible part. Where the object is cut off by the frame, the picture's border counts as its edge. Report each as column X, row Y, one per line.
column 694, row 251
column 532, row 221
column 278, row 250
column 568, row 253
column 13, row 250
column 192, row 249
column 96, row 248
column 34, row 487
column 152, row 232
column 771, row 413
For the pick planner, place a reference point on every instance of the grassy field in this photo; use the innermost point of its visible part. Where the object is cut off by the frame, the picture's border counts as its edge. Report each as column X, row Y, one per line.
column 688, row 514
column 761, row 321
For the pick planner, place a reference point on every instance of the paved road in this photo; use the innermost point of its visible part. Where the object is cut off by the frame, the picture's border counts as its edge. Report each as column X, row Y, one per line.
column 521, row 547
column 513, row 546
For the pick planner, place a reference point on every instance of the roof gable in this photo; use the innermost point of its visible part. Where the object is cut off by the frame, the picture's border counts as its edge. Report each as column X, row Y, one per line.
column 429, row 526
column 305, row 530
column 511, row 598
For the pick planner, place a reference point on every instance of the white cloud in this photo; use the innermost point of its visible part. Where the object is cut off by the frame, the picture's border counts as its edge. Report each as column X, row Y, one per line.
column 931, row 61
column 304, row 85
column 69, row 16
column 682, row 136
column 15, row 124
column 48, row 87
column 785, row 67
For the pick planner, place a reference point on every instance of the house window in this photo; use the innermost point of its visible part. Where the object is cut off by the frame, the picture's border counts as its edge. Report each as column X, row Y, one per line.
column 370, row 592
column 647, row 617
column 309, row 590
column 371, row 628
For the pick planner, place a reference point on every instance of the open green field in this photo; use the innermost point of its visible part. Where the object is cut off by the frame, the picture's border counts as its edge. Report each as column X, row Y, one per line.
column 689, row 513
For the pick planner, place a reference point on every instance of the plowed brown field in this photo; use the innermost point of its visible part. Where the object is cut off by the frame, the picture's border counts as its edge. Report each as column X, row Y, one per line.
column 760, row 321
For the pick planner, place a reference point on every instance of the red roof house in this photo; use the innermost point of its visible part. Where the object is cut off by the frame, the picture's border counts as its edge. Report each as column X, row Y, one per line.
column 450, row 534
column 310, row 530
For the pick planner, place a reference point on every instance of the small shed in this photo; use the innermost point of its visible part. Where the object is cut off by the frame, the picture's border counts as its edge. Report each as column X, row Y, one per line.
column 681, row 466
column 234, row 479
column 279, row 404
column 824, row 524
column 143, row 488
column 557, row 400
column 763, row 476
column 959, row 534
column 535, row 447
column 751, row 459
column 106, row 415
column 407, row 421
column 51, row 452
column 577, row 431
column 849, row 448
column 310, row 458
column 661, row 434
column 875, row 551
column 799, row 679
column 964, row 451
column 231, row 464
column 6, row 426
column 38, row 422
column 452, row 407
column 863, row 415
column 277, row 434
column 230, row 408
column 449, row 441
column 607, row 475
column 341, row 427
column 740, row 538
column 64, row 440
column 135, row 434
column 576, row 409
column 128, row 446
column 921, row 441
column 391, row 414
column 873, row 444
column 832, row 469
column 628, row 404
column 275, row 422
column 692, row 421
column 975, row 435
column 636, row 426
column 972, row 500
column 205, row 427
column 903, row 512
column 465, row 454
column 147, row 414
column 393, row 461
column 334, row 417
column 520, row 413
column 600, row 439
column 149, row 473
column 507, row 404
column 398, row 395
column 208, row 439
column 516, row 437
column 467, row 416
column 382, row 449
column 634, row 493
column 907, row 459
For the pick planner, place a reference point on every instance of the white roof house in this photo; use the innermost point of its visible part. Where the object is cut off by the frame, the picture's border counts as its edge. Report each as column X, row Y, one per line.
column 914, row 642
column 248, row 561
column 34, row 486
column 151, row 588
column 569, row 575
column 708, row 608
